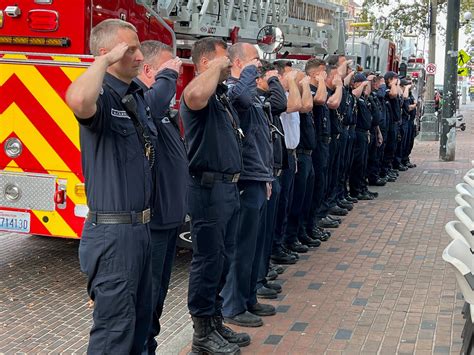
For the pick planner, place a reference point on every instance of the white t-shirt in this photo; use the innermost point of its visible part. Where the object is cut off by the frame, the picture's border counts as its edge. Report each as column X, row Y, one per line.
column 291, row 128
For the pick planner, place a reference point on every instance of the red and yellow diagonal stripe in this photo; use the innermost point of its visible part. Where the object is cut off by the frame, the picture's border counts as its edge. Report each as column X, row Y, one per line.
column 32, row 109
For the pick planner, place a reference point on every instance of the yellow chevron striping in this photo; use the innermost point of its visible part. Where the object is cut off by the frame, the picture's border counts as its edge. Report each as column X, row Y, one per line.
column 56, row 224
column 46, row 96
column 14, row 56
column 39, row 147
column 73, row 73
column 61, row 58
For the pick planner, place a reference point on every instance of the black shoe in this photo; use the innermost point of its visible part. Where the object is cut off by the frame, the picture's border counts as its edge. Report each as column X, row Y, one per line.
column 291, row 252
column 334, row 218
column 272, row 275
column 395, row 172
column 338, row 211
column 402, row 168
column 265, row 292
column 391, row 178
column 352, row 199
column 278, row 268
column 283, row 258
column 365, row 197
column 320, row 235
column 347, row 205
column 375, row 194
column 410, row 165
column 311, row 243
column 328, row 223
column 297, row 247
column 206, row 339
column 324, row 231
column 241, row 339
column 245, row 319
column 274, row 286
column 378, row 182
column 262, row 310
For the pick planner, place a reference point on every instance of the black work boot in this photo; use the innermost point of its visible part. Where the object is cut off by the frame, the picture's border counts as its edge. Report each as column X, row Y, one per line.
column 206, row 339
column 241, row 339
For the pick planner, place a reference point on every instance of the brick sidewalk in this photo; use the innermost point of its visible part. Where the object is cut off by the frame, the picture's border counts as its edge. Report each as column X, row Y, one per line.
column 379, row 285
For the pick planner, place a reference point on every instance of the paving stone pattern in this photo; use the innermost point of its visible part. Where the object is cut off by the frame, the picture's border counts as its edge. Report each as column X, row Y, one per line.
column 379, row 285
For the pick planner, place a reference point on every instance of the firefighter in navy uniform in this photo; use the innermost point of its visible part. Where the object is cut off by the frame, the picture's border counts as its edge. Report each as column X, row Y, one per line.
column 158, row 79
column 116, row 136
column 357, row 181
column 213, row 137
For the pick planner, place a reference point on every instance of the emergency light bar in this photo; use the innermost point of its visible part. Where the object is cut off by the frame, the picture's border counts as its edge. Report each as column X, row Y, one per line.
column 36, row 41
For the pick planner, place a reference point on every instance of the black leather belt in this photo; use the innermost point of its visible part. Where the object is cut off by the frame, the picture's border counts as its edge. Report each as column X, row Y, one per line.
column 209, row 177
column 291, row 151
column 142, row 217
column 304, row 151
column 277, row 172
column 362, row 130
column 325, row 139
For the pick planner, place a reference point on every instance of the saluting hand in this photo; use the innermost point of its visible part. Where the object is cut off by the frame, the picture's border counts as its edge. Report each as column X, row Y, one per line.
column 223, row 63
column 116, row 53
column 322, row 76
column 173, row 64
column 255, row 62
column 305, row 81
column 270, row 74
column 337, row 81
column 291, row 75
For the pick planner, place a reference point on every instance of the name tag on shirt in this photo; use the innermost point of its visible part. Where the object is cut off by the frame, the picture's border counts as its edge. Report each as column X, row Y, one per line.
column 119, row 113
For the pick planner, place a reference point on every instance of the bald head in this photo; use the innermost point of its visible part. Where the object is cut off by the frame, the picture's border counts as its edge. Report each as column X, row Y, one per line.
column 241, row 54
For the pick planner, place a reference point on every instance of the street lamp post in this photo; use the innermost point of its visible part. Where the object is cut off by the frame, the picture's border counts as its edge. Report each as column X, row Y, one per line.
column 429, row 129
column 447, row 147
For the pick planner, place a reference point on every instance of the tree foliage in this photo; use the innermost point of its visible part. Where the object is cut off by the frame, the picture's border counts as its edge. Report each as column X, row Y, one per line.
column 411, row 17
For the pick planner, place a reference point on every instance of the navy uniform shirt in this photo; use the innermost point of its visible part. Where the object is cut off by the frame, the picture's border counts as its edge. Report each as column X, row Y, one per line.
column 405, row 109
column 171, row 168
column 335, row 117
column 364, row 116
column 322, row 126
column 379, row 96
column 257, row 145
column 212, row 141
column 411, row 102
column 395, row 110
column 375, row 108
column 307, row 131
column 276, row 97
column 350, row 116
column 117, row 174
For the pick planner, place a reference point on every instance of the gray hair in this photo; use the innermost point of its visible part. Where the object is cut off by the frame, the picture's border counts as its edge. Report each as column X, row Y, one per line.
column 103, row 34
column 151, row 49
column 237, row 50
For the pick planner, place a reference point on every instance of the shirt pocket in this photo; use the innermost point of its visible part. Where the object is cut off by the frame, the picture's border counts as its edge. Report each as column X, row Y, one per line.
column 127, row 143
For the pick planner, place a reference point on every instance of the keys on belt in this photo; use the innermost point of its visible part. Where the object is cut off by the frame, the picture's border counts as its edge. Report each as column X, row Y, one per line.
column 142, row 217
column 304, row 151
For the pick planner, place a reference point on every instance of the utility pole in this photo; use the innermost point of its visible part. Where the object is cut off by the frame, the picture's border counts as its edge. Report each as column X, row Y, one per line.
column 429, row 123
column 447, row 146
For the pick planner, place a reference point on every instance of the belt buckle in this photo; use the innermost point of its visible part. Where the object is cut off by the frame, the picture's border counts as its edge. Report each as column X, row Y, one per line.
column 236, row 177
column 329, row 139
column 338, row 135
column 145, row 216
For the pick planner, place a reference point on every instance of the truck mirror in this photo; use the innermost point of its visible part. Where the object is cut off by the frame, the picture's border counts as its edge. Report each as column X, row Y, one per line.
column 270, row 39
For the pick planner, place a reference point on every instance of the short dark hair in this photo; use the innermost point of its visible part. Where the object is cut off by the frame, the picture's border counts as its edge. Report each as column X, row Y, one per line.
column 330, row 68
column 266, row 67
column 313, row 63
column 280, row 65
column 205, row 46
column 333, row 59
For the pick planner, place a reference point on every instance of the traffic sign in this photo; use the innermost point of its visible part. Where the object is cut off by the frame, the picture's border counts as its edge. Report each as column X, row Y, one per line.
column 431, row 69
column 463, row 58
column 463, row 71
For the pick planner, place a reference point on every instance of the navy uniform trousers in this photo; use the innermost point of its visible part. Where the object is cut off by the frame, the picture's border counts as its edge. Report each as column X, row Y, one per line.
column 302, row 198
column 320, row 160
column 287, row 180
column 268, row 231
column 357, row 180
column 117, row 261
column 163, row 247
column 214, row 212
column 239, row 292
